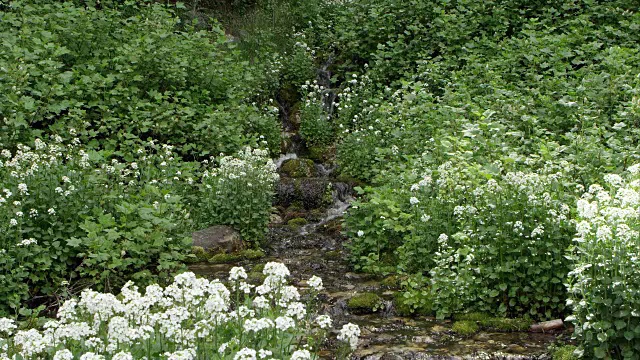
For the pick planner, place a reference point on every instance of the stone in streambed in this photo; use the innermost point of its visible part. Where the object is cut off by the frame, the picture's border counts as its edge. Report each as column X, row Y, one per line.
column 310, row 192
column 365, row 303
column 298, row 168
column 219, row 238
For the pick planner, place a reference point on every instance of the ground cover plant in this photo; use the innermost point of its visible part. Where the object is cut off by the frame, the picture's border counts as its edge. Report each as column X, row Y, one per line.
column 192, row 318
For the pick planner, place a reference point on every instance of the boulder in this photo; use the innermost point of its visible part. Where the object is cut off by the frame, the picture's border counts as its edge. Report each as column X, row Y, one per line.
column 298, row 168
column 310, row 192
column 219, row 238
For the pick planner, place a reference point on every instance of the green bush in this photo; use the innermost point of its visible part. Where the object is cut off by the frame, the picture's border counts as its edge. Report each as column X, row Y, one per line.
column 238, row 192
column 69, row 215
column 315, row 126
column 127, row 71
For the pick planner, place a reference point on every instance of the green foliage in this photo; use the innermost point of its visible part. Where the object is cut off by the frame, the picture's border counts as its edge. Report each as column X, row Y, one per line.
column 68, row 215
column 123, row 72
column 565, row 352
column 476, row 142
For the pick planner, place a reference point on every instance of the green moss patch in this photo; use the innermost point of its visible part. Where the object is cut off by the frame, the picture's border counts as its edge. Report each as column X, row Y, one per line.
column 249, row 254
column 488, row 322
column 465, row 327
column 364, row 303
column 298, row 168
column 297, row 223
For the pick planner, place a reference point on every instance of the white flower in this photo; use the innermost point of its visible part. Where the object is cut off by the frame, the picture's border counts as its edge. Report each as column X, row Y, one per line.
column 349, row 334
column 324, row 321
column 316, row 283
column 245, row 354
column 237, row 273
column 301, row 355
column 262, row 353
column 260, row 302
column 187, row 354
column 122, row 356
column 414, row 200
column 7, row 326
column 13, row 222
column 51, row 211
column 63, row 354
column 284, row 323
column 23, row 189
column 360, row 233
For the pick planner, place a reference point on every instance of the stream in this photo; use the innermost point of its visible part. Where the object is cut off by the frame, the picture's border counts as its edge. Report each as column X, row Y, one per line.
column 317, row 249
column 315, row 246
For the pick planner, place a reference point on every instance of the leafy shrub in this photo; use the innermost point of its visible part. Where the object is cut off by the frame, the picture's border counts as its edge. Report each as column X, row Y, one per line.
column 238, row 193
column 315, row 126
column 190, row 318
column 68, row 214
column 604, row 283
column 123, row 71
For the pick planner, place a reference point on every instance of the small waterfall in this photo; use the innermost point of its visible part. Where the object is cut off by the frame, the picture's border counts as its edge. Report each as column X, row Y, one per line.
column 284, row 157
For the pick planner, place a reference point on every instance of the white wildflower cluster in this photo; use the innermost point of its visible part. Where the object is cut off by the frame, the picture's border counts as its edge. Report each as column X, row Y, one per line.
column 607, row 258
column 187, row 317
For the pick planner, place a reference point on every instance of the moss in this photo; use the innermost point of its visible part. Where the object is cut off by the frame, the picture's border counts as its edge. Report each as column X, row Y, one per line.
column 296, row 223
column 224, row 258
column 486, row 321
column 298, row 168
column 198, row 254
column 564, row 353
column 256, row 277
column 392, row 282
column 465, row 327
column 333, row 254
column 364, row 303
column 252, row 254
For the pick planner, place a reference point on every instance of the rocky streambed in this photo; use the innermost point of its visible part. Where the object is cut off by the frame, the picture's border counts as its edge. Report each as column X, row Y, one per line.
column 306, row 236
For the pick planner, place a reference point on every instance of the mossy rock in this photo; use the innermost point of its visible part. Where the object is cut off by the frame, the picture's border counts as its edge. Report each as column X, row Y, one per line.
column 298, row 168
column 564, row 352
column 473, row 316
column 364, row 303
column 297, row 223
column 465, row 327
column 258, row 268
column 256, row 277
column 224, row 258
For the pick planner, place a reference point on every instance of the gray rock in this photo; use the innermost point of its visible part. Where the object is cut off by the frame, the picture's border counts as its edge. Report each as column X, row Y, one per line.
column 219, row 238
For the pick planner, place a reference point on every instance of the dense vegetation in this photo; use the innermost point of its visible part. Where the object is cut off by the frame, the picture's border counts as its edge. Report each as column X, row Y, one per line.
column 495, row 142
